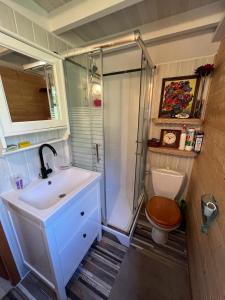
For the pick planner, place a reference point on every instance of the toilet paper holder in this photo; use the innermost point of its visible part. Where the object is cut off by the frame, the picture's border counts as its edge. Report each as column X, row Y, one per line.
column 210, row 211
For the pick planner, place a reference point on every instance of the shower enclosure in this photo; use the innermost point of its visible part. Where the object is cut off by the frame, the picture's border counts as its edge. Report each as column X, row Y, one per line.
column 109, row 118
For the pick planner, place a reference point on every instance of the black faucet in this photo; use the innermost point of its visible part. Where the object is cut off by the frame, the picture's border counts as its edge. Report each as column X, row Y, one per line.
column 44, row 171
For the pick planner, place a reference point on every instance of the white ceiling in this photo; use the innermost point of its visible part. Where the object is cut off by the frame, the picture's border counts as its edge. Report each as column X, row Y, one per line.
column 84, row 21
column 136, row 15
column 50, row 5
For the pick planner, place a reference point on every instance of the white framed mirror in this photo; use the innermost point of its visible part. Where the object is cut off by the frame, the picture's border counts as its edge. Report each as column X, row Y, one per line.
column 32, row 89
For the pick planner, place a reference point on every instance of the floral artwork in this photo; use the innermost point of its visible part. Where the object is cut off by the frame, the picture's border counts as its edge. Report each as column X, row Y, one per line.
column 178, row 96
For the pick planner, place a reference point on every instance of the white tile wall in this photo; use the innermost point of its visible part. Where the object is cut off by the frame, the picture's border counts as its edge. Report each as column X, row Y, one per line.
column 27, row 163
column 19, row 24
column 7, row 19
column 172, row 69
column 24, row 27
column 52, row 42
column 40, row 36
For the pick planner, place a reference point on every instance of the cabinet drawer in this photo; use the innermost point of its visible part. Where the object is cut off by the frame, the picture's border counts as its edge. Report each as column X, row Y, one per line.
column 75, row 250
column 70, row 222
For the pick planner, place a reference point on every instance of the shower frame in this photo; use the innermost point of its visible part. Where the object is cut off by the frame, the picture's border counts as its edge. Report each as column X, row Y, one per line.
column 110, row 45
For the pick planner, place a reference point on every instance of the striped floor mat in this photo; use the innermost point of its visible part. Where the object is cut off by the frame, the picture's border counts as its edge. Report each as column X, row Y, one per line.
column 174, row 250
column 31, row 288
column 97, row 272
column 93, row 279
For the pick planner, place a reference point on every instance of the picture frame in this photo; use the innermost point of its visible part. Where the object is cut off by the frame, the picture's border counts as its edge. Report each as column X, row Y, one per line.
column 170, row 138
column 178, row 96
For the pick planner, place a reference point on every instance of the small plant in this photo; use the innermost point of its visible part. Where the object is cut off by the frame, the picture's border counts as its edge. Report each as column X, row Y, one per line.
column 203, row 72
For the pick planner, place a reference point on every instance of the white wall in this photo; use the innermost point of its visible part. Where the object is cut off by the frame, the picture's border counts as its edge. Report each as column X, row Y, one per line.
column 26, row 163
column 181, row 48
column 173, row 58
column 172, row 69
column 24, row 27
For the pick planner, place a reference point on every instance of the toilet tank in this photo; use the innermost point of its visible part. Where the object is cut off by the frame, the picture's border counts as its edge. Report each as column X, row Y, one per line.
column 166, row 182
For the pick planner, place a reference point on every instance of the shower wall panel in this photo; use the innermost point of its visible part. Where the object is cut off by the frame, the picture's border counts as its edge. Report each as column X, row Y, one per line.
column 121, row 104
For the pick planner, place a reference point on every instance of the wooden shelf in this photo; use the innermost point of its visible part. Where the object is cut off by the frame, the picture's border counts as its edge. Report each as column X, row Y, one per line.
column 194, row 122
column 170, row 151
column 32, row 146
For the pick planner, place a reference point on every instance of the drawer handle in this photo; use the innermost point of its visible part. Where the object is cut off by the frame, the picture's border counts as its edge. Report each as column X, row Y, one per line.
column 84, row 235
column 82, row 213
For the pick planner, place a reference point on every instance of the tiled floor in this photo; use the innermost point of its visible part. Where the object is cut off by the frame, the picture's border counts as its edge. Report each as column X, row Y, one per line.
column 111, row 271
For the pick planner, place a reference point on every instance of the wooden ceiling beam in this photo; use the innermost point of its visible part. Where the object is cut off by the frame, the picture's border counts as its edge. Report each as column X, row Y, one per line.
column 193, row 21
column 77, row 13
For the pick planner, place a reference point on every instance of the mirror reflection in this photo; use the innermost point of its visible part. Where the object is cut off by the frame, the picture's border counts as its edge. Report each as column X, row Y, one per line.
column 28, row 86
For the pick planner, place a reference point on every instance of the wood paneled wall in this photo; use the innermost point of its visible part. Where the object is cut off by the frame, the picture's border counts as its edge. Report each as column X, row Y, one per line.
column 207, row 252
column 26, row 95
column 171, row 69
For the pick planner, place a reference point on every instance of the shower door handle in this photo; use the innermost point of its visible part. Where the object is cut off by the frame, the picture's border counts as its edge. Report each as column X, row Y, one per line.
column 97, row 152
column 141, row 153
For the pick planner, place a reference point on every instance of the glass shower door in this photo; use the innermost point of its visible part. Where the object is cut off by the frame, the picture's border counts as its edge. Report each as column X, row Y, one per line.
column 142, row 135
column 85, row 107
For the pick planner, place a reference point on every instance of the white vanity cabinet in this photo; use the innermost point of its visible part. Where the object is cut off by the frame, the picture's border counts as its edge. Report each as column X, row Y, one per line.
column 54, row 246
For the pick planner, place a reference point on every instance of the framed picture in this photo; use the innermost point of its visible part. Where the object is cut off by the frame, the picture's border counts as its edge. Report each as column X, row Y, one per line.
column 178, row 96
column 170, row 138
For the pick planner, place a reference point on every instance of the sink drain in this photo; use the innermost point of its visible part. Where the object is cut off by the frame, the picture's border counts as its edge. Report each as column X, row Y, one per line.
column 62, row 195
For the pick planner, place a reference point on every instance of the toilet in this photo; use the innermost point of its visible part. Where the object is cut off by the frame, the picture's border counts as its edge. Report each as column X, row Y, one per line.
column 162, row 210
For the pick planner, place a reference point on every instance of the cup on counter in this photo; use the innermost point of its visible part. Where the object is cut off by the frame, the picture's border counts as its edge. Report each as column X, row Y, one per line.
column 17, row 182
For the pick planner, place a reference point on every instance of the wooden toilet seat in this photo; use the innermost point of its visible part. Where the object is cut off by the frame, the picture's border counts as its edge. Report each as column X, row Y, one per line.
column 164, row 212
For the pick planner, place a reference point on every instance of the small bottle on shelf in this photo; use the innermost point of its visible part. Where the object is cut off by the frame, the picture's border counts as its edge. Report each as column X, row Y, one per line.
column 183, row 138
column 190, row 139
column 198, row 141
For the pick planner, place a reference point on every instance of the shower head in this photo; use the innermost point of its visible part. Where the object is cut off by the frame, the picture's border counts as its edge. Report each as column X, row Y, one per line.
column 94, row 69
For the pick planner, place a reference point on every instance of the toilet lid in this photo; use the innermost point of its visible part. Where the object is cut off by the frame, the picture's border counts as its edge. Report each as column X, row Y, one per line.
column 163, row 211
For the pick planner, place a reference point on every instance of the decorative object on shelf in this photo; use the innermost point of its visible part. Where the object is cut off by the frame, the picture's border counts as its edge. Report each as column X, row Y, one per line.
column 203, row 72
column 97, row 102
column 183, row 137
column 12, row 147
column 210, row 211
column 190, row 139
column 24, row 144
column 178, row 96
column 154, row 142
column 170, row 138
column 199, row 135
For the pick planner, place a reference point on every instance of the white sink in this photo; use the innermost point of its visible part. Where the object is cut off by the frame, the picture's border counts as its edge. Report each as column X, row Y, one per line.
column 50, row 191
column 56, row 220
column 44, row 196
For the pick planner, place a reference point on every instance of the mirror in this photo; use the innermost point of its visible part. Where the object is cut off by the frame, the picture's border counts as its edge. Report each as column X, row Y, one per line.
column 29, row 87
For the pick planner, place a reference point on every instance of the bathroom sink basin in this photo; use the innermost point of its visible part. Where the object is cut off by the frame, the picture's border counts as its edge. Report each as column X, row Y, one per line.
column 53, row 189
column 43, row 197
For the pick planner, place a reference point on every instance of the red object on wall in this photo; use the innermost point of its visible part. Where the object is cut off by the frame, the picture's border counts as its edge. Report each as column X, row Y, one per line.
column 97, row 102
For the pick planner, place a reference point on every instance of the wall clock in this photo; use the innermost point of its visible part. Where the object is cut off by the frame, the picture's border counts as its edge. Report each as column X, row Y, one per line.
column 170, row 138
